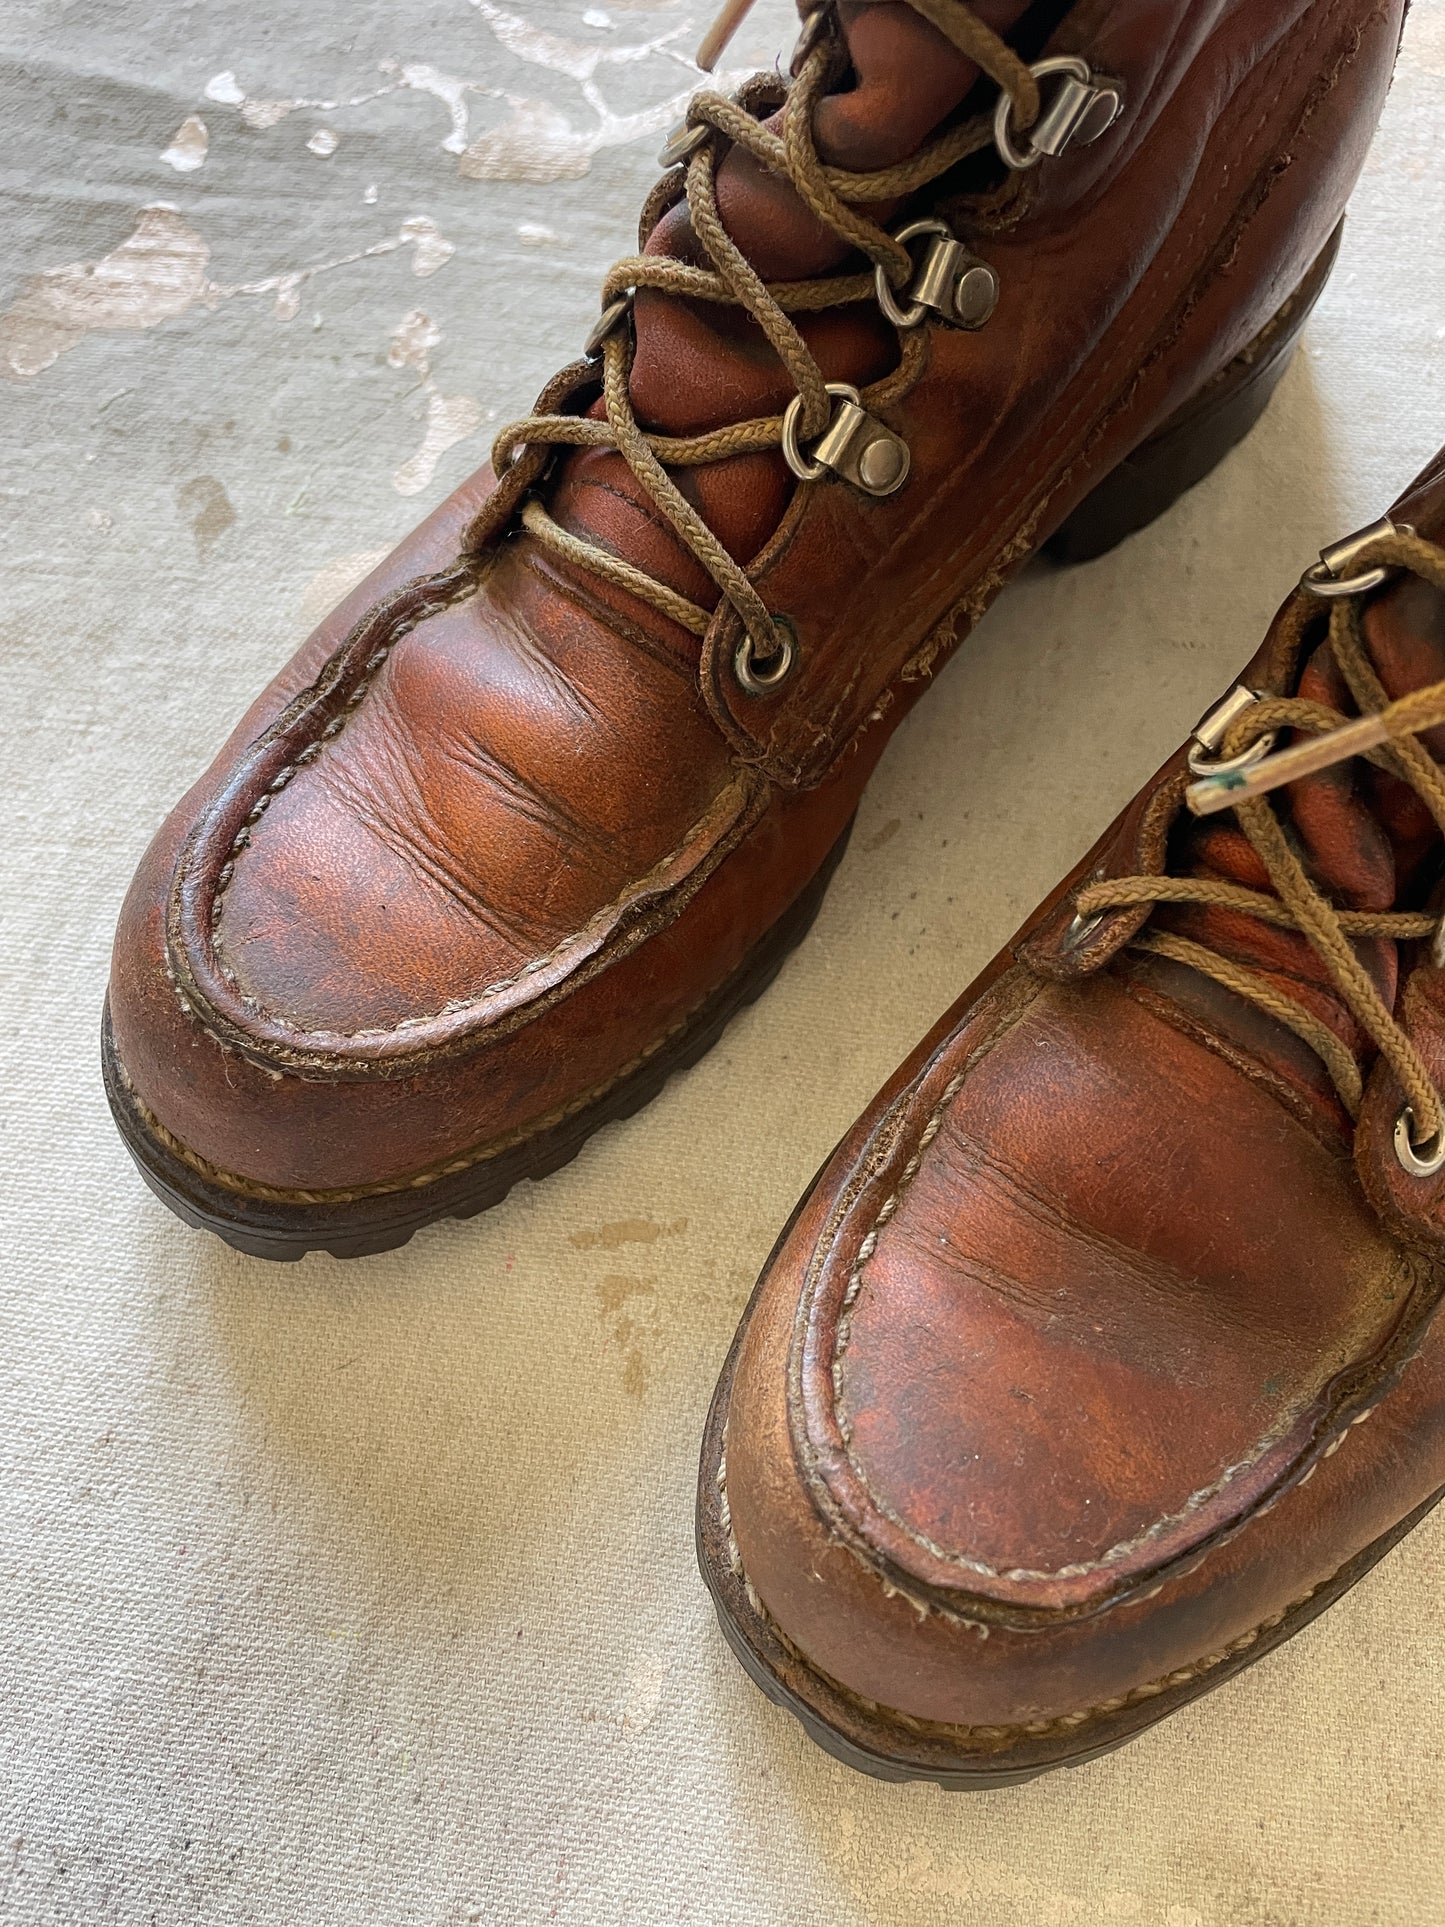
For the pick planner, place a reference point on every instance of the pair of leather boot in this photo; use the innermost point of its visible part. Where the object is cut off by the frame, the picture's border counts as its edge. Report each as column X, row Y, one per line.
column 1049, row 1411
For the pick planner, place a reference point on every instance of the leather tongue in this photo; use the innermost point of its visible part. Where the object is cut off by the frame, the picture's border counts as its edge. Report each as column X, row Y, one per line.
column 699, row 367
column 1365, row 837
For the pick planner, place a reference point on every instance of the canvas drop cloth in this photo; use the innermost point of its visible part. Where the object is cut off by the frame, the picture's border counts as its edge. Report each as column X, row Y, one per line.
column 351, row 1594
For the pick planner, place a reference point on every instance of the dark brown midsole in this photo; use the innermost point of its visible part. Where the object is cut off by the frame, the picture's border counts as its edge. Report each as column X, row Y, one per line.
column 892, row 1747
column 358, row 1227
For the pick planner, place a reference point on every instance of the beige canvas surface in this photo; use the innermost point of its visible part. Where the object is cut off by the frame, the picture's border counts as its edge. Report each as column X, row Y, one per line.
column 364, row 1593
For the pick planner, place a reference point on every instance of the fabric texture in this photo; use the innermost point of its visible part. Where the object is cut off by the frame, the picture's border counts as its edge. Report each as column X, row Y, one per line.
column 356, row 1593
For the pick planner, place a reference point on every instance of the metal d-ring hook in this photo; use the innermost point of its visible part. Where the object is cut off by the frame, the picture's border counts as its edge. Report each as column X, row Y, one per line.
column 1082, row 109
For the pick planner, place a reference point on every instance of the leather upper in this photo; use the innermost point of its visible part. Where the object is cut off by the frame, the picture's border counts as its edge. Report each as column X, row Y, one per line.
column 1105, row 1279
column 498, row 829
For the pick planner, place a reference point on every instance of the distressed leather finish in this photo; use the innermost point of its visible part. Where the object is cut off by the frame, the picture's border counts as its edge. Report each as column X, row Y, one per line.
column 1105, row 1340
column 499, row 829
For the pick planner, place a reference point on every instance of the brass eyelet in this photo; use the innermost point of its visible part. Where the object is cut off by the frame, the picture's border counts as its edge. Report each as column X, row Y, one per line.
column 762, row 677
column 1421, row 1161
column 1079, row 930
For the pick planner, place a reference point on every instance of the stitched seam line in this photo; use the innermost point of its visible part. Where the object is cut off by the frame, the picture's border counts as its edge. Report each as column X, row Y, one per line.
column 634, row 893
column 404, row 627
column 279, row 782
column 881, row 1148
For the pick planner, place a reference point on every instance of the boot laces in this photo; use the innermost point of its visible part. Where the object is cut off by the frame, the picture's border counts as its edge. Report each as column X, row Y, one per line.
column 1297, row 903
column 834, row 195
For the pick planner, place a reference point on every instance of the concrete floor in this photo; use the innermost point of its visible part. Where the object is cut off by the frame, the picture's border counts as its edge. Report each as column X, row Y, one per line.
column 365, row 1593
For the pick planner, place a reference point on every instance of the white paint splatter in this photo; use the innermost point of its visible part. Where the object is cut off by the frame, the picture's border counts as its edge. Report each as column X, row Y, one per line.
column 260, row 114
column 412, row 340
column 430, row 248
column 189, row 145
column 535, row 234
column 157, row 273
column 449, row 418
column 595, row 17
column 578, row 59
column 538, row 143
column 452, row 93
column 371, row 195
column 287, row 304
column 643, row 1693
column 257, row 113
column 225, row 89
column 324, row 142
column 535, row 143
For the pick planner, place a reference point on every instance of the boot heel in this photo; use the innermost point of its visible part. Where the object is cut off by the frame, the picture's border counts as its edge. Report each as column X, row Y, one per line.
column 1196, row 438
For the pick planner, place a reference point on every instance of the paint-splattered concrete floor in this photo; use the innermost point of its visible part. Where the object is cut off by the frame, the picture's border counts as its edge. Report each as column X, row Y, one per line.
column 364, row 1594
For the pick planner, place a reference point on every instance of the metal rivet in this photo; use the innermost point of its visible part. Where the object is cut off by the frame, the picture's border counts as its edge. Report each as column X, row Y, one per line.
column 854, row 445
column 948, row 281
column 1099, row 116
column 976, row 295
column 881, row 466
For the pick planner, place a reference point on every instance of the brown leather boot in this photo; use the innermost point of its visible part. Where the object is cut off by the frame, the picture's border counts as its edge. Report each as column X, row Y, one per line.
column 555, row 790
column 1049, row 1412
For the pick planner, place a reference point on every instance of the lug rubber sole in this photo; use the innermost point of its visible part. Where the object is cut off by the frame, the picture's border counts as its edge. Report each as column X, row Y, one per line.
column 892, row 1746
column 362, row 1227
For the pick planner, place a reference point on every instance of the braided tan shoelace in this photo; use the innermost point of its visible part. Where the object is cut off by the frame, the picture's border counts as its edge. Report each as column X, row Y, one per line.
column 1297, row 904
column 521, row 452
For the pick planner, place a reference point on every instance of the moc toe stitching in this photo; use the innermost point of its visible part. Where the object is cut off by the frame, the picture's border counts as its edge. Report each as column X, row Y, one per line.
column 887, row 1543
column 209, row 987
